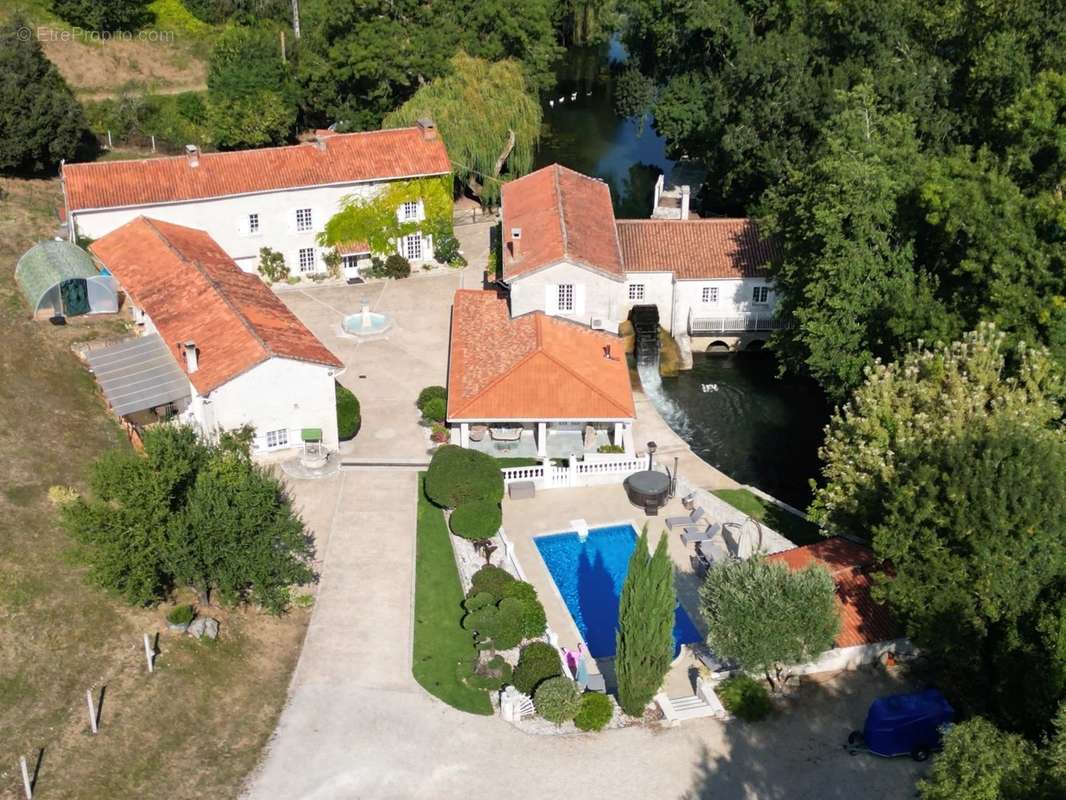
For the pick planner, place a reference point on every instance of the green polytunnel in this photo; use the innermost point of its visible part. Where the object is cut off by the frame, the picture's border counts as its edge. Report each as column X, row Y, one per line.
column 63, row 276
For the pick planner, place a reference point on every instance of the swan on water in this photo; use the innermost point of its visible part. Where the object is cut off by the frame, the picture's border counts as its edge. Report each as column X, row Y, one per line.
column 709, row 387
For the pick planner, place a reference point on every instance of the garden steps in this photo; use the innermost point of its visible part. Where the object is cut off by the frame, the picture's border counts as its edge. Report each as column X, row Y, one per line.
column 385, row 463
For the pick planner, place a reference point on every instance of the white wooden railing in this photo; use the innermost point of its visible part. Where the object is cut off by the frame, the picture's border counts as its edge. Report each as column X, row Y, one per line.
column 738, row 324
column 577, row 473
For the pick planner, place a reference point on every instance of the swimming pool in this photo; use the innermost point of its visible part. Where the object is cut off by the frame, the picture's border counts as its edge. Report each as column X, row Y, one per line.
column 590, row 575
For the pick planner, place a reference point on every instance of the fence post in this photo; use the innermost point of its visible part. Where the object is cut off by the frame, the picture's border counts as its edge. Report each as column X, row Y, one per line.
column 26, row 778
column 153, row 142
column 148, row 655
column 109, row 145
column 92, row 711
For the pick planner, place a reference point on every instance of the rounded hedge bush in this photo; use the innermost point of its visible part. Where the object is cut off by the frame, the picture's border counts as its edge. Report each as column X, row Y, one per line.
column 595, row 712
column 181, row 615
column 491, row 579
column 348, row 414
column 396, row 266
column 557, row 700
column 537, row 662
column 435, row 409
column 478, row 520
column 534, row 619
column 744, row 697
column 457, row 476
column 430, row 393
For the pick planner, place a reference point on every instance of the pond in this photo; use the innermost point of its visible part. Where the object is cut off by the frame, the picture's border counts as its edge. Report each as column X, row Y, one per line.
column 737, row 415
column 582, row 131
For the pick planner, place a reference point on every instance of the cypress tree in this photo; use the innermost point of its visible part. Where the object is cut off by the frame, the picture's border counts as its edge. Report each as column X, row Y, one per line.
column 645, row 637
column 40, row 121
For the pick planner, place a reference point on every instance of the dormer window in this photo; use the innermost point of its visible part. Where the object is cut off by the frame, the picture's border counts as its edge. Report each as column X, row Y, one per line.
column 566, row 297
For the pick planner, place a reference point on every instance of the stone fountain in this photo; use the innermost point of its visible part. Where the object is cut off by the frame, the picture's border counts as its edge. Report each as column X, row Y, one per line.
column 366, row 324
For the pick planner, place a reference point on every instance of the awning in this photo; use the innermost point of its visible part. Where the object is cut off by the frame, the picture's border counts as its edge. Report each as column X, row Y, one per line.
column 138, row 373
column 311, row 435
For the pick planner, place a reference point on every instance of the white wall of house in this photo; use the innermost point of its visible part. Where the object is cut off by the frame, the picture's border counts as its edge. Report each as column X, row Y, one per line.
column 650, row 289
column 228, row 221
column 595, row 295
column 279, row 395
column 719, row 298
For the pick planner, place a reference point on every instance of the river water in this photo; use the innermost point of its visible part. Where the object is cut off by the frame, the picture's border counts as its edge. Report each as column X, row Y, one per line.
column 756, row 428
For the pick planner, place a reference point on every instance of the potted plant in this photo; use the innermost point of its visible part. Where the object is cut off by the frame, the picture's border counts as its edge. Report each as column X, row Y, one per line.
column 180, row 617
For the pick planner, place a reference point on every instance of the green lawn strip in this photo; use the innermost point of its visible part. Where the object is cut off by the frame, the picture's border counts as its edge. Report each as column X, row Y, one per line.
column 789, row 525
column 516, row 461
column 439, row 641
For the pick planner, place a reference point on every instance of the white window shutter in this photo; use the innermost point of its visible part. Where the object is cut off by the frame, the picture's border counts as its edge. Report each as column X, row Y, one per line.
column 551, row 298
column 317, row 220
column 401, row 249
column 399, row 213
column 427, row 248
column 242, row 225
column 421, row 210
column 292, row 220
column 579, row 299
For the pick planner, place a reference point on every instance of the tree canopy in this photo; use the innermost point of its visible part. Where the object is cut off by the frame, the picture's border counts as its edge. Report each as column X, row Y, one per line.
column 40, row 121
column 487, row 115
column 767, row 618
column 189, row 513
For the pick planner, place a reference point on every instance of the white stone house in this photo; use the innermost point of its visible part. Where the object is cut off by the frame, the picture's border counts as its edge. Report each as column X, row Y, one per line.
column 276, row 197
column 217, row 348
column 566, row 255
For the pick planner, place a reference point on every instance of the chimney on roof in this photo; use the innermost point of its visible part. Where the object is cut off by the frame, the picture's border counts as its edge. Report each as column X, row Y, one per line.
column 192, row 360
column 516, row 243
column 192, row 155
column 685, row 191
column 428, row 128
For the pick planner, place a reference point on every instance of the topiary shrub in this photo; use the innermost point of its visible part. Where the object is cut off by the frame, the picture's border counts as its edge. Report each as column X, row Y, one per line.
column 478, row 520
column 435, row 410
column 557, row 700
column 491, row 675
column 595, row 712
column 534, row 619
column 181, row 615
column 430, row 393
column 493, row 580
column 537, row 662
column 497, row 626
column 348, row 413
column 744, row 697
column 479, row 600
column 457, row 476
column 396, row 266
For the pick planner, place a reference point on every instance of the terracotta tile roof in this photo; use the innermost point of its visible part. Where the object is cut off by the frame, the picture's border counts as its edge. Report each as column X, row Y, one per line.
column 353, row 248
column 534, row 367
column 696, row 248
column 194, row 292
column 564, row 216
column 862, row 620
column 339, row 158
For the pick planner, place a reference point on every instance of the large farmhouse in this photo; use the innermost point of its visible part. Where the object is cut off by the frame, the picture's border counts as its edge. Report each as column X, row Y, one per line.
column 277, row 197
column 566, row 255
column 217, row 348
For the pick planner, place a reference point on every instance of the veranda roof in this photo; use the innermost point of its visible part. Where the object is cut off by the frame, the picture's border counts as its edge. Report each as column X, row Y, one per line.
column 138, row 373
column 49, row 263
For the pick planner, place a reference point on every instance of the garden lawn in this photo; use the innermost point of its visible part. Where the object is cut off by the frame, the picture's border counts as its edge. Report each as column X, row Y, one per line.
column 789, row 525
column 440, row 643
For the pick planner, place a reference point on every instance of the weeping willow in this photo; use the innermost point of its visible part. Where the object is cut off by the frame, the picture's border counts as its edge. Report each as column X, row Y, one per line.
column 486, row 114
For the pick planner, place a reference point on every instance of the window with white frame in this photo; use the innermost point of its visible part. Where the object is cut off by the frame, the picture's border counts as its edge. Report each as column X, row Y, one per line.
column 253, row 224
column 710, row 294
column 303, row 220
column 760, row 294
column 409, row 210
column 566, row 297
column 413, row 246
column 636, row 291
column 278, row 438
column 307, row 259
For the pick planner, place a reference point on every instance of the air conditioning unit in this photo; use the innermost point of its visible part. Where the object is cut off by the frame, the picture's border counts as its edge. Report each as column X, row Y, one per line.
column 597, row 323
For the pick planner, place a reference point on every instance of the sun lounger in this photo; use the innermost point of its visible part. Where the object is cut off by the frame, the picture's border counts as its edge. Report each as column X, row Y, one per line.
column 596, row 683
column 696, row 533
column 691, row 519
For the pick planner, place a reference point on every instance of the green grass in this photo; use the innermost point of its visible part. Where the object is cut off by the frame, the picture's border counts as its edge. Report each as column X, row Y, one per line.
column 507, row 462
column 792, row 527
column 440, row 644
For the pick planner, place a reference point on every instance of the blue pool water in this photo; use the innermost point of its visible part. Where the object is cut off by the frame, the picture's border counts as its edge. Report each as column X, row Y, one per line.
column 590, row 575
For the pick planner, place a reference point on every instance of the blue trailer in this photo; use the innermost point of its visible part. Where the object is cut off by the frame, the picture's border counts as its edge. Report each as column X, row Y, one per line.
column 903, row 724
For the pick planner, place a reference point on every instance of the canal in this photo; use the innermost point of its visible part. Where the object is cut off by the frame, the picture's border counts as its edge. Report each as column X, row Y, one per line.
column 733, row 410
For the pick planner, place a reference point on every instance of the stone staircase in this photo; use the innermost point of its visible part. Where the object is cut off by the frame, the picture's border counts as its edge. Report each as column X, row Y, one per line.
column 704, row 703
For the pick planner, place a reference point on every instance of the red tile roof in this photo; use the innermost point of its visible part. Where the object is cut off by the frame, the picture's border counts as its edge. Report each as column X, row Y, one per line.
column 563, row 216
column 194, row 292
column 696, row 248
column 862, row 620
column 334, row 159
column 533, row 367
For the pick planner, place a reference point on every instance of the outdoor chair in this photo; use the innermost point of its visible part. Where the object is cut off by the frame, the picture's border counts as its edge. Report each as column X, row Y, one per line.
column 697, row 533
column 691, row 519
column 596, row 684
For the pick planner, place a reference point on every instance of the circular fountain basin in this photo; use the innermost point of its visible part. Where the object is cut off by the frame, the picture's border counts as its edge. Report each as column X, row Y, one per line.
column 366, row 324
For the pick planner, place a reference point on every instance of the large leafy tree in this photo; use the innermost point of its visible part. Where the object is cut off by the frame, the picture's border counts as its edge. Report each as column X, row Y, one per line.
column 40, row 121
column 186, row 512
column 645, row 637
column 848, row 280
column 251, row 101
column 981, row 762
column 768, row 618
column 111, row 16
column 486, row 114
